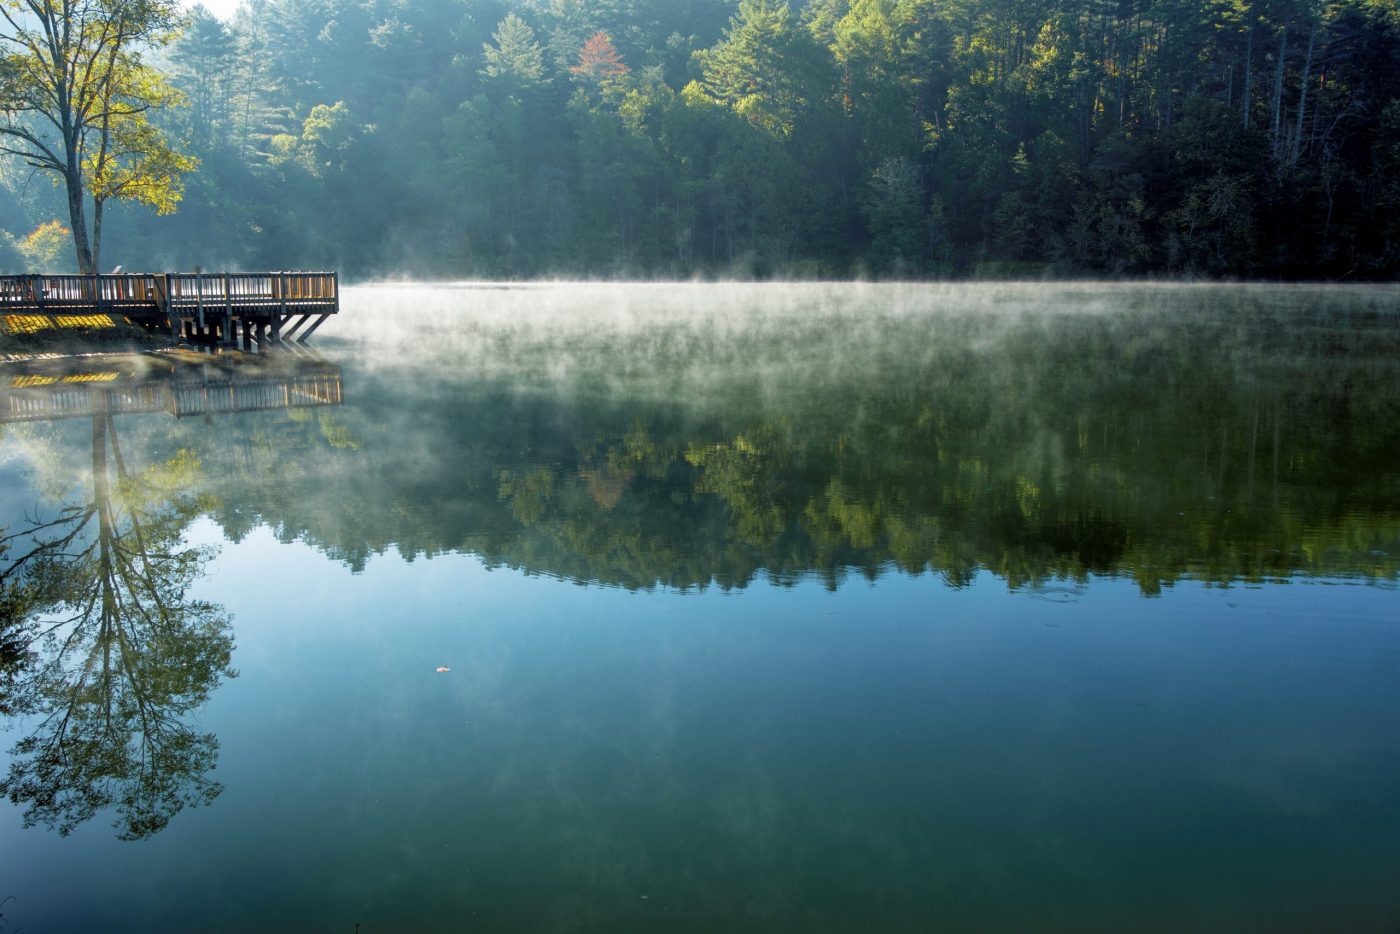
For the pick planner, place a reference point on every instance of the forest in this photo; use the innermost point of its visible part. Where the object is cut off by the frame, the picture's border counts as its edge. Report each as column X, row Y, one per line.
column 826, row 139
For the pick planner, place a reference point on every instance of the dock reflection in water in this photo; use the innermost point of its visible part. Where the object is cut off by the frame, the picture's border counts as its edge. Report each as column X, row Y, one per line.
column 178, row 383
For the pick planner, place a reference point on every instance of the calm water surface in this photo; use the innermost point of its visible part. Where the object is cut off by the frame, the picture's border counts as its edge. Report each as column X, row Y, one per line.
column 981, row 608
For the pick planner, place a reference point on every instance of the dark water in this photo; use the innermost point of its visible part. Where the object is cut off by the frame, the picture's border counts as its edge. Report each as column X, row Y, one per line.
column 766, row 608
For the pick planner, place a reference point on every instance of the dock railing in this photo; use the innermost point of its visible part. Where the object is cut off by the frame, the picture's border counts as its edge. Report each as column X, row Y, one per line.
column 159, row 293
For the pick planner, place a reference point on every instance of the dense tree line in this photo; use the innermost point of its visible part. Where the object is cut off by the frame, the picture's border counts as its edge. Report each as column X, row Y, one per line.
column 835, row 137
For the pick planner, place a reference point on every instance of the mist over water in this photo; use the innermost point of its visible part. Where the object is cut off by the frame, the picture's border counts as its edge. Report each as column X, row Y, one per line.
column 1084, row 617
column 1032, row 430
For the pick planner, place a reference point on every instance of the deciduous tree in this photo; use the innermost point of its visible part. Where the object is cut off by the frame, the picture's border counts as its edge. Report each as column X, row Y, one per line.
column 72, row 76
column 599, row 60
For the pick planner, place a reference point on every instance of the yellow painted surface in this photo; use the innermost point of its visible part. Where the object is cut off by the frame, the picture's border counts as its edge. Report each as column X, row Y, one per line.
column 31, row 380
column 90, row 377
column 25, row 324
column 32, row 324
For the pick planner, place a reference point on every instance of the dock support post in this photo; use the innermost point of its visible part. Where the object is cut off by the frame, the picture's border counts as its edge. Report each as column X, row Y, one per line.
column 319, row 321
column 162, row 288
column 301, row 323
column 247, row 335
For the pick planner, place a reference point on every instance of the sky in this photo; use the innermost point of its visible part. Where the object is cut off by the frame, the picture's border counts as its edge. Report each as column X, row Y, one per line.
column 223, row 9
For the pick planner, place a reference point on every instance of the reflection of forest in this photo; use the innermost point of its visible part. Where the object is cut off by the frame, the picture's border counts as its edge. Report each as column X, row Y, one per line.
column 1154, row 445
column 107, row 653
column 101, row 647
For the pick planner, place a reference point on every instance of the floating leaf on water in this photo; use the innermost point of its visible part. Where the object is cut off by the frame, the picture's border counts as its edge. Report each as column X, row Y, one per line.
column 1054, row 593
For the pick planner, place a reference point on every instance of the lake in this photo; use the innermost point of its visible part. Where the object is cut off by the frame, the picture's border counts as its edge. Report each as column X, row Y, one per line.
column 1065, row 608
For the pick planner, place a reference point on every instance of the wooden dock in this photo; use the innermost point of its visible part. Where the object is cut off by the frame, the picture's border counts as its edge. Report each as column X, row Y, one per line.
column 216, row 308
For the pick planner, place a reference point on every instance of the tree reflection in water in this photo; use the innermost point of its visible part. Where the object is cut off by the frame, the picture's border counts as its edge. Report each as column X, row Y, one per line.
column 104, row 654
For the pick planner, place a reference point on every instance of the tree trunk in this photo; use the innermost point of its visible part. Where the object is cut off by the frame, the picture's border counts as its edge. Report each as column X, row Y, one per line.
column 73, row 182
column 1297, row 142
column 1278, row 92
column 77, row 218
column 102, row 490
column 1248, row 71
column 97, row 204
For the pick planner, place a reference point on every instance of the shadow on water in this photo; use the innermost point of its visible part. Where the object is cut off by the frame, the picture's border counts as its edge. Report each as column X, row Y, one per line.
column 102, row 648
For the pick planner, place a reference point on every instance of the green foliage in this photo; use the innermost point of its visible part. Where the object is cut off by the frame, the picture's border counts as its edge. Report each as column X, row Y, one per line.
column 204, row 66
column 893, row 207
column 516, row 58
column 75, row 99
column 765, row 67
column 106, row 653
column 838, row 137
column 1387, row 158
column 326, row 138
column 136, row 163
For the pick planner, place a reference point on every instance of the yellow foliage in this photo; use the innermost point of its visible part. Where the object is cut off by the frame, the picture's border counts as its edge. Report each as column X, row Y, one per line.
column 42, row 246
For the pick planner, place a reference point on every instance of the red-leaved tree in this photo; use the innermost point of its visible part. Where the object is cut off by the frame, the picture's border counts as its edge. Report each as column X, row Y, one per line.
column 599, row 60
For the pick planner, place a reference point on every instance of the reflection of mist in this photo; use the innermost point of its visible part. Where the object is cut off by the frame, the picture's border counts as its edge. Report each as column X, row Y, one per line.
column 690, row 435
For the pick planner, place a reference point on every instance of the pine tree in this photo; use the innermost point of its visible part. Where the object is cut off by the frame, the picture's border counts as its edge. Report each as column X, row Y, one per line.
column 516, row 58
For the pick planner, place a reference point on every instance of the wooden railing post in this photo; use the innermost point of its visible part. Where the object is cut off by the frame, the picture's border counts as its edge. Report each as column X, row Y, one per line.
column 163, row 302
column 228, row 314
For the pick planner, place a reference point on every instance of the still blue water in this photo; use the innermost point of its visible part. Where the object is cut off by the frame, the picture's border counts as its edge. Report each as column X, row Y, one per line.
column 1018, row 609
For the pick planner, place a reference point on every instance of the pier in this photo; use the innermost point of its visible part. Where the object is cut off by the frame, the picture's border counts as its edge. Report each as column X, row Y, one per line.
column 217, row 308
